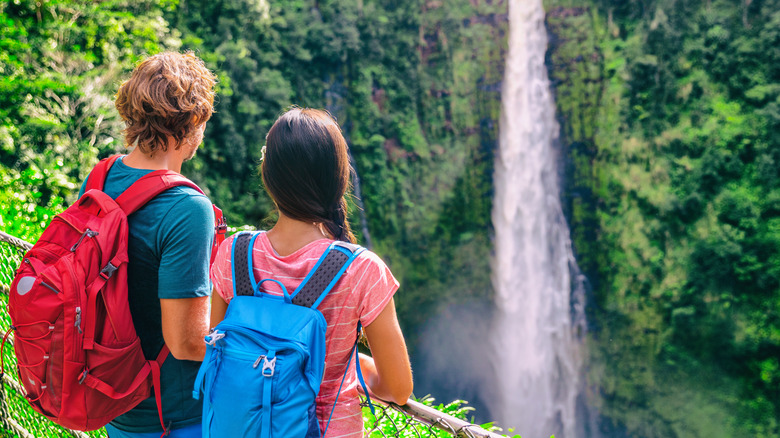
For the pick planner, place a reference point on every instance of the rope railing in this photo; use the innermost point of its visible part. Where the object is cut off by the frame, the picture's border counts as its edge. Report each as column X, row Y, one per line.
column 414, row 419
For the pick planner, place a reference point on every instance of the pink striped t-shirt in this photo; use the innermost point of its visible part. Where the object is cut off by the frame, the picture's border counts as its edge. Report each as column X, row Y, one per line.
column 360, row 295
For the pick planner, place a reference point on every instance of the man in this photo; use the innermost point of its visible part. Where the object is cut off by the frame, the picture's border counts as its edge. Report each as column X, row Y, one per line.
column 165, row 105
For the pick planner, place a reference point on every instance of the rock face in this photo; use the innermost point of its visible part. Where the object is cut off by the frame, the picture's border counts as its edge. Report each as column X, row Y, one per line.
column 575, row 66
column 666, row 123
column 429, row 212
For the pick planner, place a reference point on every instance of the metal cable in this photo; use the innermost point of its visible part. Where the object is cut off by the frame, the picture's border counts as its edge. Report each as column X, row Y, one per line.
column 15, row 241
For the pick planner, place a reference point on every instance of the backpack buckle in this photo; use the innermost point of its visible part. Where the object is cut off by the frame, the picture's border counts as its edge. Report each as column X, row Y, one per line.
column 268, row 365
column 214, row 336
column 83, row 376
column 108, row 271
column 221, row 227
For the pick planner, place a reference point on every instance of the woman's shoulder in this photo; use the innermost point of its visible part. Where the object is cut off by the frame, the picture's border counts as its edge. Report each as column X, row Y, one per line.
column 228, row 242
column 369, row 267
column 369, row 257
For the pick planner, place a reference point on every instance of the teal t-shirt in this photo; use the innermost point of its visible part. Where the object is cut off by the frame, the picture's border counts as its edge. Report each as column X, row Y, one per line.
column 169, row 248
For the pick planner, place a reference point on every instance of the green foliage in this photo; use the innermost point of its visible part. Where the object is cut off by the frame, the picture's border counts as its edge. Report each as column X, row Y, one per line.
column 420, row 136
column 23, row 215
column 673, row 208
column 61, row 62
column 415, row 87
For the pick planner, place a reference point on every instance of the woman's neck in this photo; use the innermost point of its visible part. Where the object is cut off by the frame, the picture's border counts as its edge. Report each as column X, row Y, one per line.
column 289, row 235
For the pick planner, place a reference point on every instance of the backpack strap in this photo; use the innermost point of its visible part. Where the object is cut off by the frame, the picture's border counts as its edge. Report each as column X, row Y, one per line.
column 97, row 178
column 149, row 186
column 154, row 183
column 317, row 284
column 240, row 261
column 156, row 366
column 362, row 381
column 325, row 274
column 141, row 191
column 220, row 231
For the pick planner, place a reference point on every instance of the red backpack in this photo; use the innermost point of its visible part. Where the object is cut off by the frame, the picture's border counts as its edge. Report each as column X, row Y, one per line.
column 78, row 354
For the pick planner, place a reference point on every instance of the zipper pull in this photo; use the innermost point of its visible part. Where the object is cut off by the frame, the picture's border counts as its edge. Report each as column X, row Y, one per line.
column 50, row 287
column 88, row 233
column 257, row 362
column 78, row 319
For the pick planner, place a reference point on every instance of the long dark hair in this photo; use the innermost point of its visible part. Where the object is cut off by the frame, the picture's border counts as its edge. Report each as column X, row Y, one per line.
column 306, row 170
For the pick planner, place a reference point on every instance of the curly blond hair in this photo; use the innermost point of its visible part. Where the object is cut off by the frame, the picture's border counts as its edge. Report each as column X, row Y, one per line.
column 168, row 95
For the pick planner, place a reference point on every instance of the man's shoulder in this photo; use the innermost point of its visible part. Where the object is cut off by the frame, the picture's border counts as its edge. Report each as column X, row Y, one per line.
column 189, row 193
column 183, row 197
column 178, row 209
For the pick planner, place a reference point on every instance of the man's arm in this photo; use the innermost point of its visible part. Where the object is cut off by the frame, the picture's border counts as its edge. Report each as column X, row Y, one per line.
column 183, row 283
column 185, row 322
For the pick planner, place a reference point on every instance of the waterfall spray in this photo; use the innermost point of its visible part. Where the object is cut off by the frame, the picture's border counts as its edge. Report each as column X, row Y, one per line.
column 537, row 361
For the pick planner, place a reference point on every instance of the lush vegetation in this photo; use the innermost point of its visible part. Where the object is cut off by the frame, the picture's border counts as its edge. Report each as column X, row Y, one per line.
column 670, row 113
column 670, row 119
column 415, row 87
column 416, row 90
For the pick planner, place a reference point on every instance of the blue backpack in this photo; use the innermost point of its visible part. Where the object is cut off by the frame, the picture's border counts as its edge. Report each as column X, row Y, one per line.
column 264, row 362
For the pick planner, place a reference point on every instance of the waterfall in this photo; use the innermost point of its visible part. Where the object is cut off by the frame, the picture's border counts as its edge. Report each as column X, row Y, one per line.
column 539, row 311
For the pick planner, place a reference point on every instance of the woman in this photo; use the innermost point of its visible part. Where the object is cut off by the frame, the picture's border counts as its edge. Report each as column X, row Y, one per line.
column 306, row 172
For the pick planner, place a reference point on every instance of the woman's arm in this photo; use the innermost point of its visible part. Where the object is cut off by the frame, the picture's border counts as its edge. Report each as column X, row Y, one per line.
column 218, row 308
column 388, row 373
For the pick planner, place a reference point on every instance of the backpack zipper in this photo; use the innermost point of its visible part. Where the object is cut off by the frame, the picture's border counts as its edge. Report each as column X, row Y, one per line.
column 241, row 354
column 268, row 367
column 43, row 251
column 46, row 252
column 50, row 287
column 78, row 352
column 78, row 320
column 87, row 233
column 43, row 283
column 277, row 344
column 60, row 217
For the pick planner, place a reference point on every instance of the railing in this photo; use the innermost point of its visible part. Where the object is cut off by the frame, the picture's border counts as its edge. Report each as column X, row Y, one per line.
column 415, row 419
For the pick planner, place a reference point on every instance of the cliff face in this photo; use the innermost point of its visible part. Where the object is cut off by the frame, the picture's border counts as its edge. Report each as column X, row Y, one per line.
column 424, row 151
column 665, row 159
column 416, row 88
column 575, row 64
column 425, row 155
